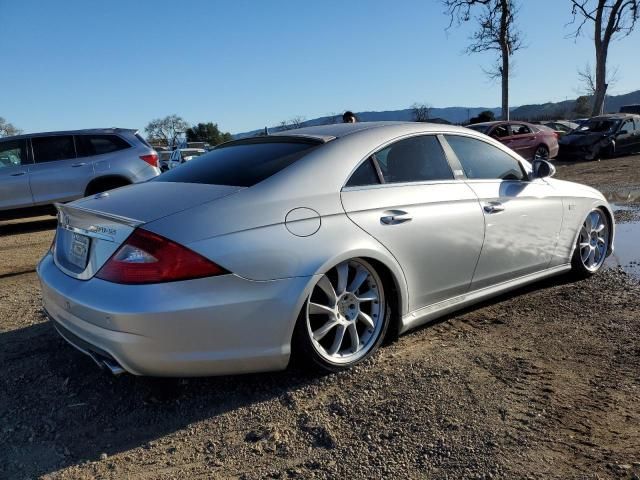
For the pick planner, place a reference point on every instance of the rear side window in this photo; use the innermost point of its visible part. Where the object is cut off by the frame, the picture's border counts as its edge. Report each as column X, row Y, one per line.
column 365, row 174
column 415, row 159
column 144, row 142
column 241, row 164
column 50, row 149
column 481, row 160
column 89, row 145
column 13, row 153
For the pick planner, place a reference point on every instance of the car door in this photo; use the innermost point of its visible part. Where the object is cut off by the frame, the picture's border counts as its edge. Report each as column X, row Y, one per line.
column 429, row 221
column 522, row 140
column 522, row 217
column 56, row 174
column 636, row 135
column 625, row 137
column 15, row 191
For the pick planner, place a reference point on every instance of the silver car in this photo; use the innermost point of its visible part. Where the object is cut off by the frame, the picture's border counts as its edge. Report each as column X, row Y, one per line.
column 40, row 169
column 315, row 244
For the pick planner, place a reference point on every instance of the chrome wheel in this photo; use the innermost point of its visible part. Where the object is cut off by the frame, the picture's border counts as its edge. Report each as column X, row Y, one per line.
column 593, row 240
column 346, row 312
column 542, row 153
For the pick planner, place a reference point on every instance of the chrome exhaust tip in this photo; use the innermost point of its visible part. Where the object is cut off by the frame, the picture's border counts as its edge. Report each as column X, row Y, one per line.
column 113, row 367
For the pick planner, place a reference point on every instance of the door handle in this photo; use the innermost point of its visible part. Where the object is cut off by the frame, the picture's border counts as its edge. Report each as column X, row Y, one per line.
column 81, row 164
column 494, row 207
column 395, row 217
column 17, row 174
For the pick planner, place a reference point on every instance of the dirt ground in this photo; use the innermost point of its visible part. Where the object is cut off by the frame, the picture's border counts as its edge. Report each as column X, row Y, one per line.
column 542, row 383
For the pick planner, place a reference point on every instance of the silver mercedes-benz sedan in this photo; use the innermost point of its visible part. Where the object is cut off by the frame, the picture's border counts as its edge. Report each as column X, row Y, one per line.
column 315, row 244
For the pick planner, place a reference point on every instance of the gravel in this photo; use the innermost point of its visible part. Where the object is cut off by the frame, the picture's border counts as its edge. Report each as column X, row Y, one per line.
column 541, row 383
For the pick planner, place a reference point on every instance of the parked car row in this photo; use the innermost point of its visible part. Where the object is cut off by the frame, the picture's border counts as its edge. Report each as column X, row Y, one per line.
column 585, row 139
column 528, row 140
column 39, row 169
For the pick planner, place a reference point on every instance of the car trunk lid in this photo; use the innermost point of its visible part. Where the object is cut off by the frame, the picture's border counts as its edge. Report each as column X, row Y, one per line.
column 91, row 230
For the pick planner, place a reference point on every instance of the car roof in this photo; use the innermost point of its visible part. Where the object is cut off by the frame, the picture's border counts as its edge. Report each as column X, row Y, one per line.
column 615, row 116
column 326, row 133
column 95, row 131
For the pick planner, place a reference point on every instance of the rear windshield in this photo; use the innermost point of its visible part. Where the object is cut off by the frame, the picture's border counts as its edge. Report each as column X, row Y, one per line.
column 241, row 164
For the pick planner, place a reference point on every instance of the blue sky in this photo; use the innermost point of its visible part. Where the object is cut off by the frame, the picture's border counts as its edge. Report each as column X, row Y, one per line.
column 245, row 64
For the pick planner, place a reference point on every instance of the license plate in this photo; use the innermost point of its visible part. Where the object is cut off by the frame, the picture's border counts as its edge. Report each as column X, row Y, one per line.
column 79, row 251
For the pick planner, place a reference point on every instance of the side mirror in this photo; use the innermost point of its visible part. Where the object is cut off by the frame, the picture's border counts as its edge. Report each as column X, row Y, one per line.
column 542, row 169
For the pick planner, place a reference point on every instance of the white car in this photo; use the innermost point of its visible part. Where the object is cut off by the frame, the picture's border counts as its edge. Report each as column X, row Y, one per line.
column 181, row 155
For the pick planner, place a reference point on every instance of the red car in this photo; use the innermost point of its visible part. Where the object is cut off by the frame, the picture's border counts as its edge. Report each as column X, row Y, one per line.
column 530, row 141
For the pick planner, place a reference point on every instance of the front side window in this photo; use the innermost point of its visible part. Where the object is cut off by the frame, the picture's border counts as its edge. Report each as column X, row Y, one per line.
column 519, row 129
column 242, row 163
column 481, row 160
column 50, row 149
column 12, row 153
column 628, row 126
column 89, row 145
column 500, row 131
column 415, row 159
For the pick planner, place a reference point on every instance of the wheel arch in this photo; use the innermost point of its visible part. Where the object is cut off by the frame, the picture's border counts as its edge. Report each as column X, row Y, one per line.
column 392, row 277
column 612, row 224
column 106, row 179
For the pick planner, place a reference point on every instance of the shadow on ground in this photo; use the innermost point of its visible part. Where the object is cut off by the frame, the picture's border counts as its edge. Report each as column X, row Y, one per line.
column 39, row 225
column 60, row 410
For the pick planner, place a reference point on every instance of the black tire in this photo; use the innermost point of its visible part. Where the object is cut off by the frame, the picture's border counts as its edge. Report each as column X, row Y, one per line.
column 578, row 268
column 542, row 152
column 306, row 355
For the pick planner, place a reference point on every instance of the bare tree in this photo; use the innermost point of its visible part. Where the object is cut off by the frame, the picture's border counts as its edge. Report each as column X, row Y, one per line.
column 7, row 129
column 587, row 78
column 421, row 112
column 497, row 32
column 166, row 130
column 292, row 124
column 611, row 19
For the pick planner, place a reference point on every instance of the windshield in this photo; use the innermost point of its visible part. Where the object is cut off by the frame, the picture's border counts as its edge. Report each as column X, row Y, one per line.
column 599, row 126
column 479, row 128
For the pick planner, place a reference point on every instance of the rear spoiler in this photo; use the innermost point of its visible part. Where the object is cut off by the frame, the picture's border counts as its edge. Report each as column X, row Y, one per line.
column 65, row 210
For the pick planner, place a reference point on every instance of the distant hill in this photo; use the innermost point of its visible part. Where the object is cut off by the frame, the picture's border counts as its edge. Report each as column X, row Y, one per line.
column 564, row 109
column 462, row 114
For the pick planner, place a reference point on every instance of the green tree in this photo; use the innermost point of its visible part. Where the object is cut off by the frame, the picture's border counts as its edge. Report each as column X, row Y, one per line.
column 582, row 107
column 207, row 132
column 486, row 116
column 166, row 131
column 7, row 129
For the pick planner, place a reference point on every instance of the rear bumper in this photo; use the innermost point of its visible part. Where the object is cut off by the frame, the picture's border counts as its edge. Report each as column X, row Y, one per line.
column 210, row 326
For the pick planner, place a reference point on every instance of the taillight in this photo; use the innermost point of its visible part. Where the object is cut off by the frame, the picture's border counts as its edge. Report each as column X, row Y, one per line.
column 151, row 159
column 146, row 257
